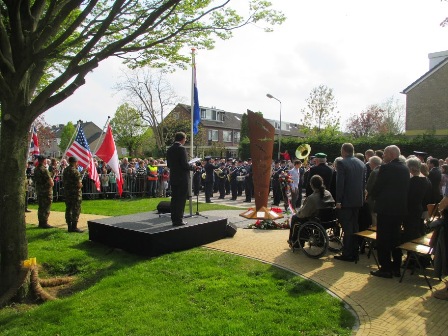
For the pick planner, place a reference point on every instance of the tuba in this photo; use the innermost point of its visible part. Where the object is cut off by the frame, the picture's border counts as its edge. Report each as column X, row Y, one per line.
column 303, row 152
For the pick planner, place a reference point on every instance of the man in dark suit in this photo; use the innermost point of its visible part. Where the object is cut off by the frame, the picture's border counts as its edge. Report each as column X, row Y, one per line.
column 390, row 193
column 176, row 157
column 350, row 185
column 209, row 178
column 435, row 176
column 321, row 169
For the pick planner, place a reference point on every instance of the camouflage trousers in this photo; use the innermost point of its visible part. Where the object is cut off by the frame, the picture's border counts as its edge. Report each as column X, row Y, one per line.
column 72, row 211
column 44, row 201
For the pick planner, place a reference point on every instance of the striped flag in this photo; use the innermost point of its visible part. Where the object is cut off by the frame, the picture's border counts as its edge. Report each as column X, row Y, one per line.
column 81, row 150
column 108, row 153
column 196, row 109
column 34, row 144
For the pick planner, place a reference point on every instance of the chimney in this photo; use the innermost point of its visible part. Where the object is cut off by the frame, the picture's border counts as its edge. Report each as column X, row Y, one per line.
column 436, row 58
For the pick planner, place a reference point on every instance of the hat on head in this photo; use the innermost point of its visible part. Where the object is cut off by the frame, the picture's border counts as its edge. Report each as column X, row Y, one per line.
column 277, row 161
column 249, row 159
column 320, row 155
column 418, row 153
column 229, row 159
column 72, row 159
column 40, row 158
column 207, row 158
column 198, row 163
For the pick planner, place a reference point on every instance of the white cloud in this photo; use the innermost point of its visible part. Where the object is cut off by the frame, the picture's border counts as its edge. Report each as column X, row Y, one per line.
column 366, row 51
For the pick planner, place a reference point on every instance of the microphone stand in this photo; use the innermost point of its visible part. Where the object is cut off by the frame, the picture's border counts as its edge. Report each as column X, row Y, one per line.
column 190, row 196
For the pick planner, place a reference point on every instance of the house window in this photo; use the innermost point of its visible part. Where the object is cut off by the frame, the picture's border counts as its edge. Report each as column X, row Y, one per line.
column 227, row 136
column 236, row 136
column 203, row 113
column 213, row 135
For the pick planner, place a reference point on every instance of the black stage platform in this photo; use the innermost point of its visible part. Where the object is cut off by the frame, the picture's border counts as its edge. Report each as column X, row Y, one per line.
column 150, row 235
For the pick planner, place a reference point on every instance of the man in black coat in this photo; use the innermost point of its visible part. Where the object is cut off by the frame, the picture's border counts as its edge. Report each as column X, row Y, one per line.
column 209, row 178
column 176, row 158
column 435, row 176
column 390, row 193
column 321, row 169
column 350, row 186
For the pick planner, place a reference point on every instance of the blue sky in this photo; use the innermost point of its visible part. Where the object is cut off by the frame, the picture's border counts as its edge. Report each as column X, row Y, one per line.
column 366, row 51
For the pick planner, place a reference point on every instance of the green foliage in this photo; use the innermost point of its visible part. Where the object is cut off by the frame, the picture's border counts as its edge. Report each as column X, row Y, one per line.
column 331, row 144
column 204, row 291
column 128, row 128
column 66, row 135
column 244, row 127
column 320, row 113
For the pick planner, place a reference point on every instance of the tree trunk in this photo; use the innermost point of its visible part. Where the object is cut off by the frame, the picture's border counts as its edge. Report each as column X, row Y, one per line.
column 13, row 153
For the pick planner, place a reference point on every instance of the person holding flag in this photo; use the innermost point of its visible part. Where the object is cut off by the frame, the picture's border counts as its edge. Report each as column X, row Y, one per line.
column 108, row 153
column 44, row 189
column 81, row 151
column 71, row 179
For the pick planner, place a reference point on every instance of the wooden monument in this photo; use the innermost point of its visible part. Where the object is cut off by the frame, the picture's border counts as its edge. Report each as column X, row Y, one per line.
column 261, row 136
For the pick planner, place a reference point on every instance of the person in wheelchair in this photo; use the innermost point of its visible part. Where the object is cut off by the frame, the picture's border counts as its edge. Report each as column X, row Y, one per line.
column 319, row 199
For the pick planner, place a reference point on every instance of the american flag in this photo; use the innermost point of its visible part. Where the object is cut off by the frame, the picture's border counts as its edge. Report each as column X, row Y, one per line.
column 34, row 144
column 81, row 150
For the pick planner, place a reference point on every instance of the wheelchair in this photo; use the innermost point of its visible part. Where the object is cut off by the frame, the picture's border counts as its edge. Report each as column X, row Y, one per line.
column 317, row 235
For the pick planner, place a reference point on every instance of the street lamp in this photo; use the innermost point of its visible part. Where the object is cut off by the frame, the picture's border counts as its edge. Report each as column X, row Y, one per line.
column 280, row 130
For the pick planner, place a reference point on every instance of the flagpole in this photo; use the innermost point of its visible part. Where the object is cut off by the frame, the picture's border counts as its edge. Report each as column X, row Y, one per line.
column 30, row 157
column 71, row 140
column 193, row 78
column 102, row 133
column 190, row 181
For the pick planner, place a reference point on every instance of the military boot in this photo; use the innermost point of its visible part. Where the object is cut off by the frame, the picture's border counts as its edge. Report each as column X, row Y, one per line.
column 45, row 226
column 74, row 228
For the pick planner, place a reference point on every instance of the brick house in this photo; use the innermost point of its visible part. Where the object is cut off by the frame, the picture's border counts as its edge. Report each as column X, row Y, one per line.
column 427, row 99
column 223, row 129
column 92, row 133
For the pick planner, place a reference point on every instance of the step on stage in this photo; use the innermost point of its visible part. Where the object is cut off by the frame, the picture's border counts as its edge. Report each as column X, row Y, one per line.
column 150, row 235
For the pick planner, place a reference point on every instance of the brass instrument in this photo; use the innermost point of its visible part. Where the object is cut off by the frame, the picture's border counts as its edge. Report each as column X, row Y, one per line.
column 203, row 176
column 303, row 152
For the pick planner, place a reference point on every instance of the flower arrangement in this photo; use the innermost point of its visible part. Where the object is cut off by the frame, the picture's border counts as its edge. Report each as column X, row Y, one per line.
column 277, row 210
column 285, row 181
column 269, row 224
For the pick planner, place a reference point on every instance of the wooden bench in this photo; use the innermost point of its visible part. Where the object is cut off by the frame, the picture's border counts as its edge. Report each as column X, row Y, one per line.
column 414, row 251
column 422, row 246
column 370, row 236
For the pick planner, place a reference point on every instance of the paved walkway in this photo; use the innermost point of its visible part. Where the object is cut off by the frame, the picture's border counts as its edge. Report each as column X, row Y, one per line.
column 383, row 306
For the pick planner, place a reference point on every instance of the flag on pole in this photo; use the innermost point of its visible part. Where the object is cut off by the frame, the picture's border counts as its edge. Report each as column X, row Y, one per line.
column 81, row 150
column 196, row 109
column 108, row 153
column 34, row 144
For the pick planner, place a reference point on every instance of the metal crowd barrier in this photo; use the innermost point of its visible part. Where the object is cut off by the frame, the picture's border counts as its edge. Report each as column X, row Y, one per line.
column 133, row 186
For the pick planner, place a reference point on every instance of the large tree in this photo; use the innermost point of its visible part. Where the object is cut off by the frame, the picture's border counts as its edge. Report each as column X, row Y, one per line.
column 48, row 47
column 367, row 123
column 151, row 95
column 128, row 128
column 321, row 111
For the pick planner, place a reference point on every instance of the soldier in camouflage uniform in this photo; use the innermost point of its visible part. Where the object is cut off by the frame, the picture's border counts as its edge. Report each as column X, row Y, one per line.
column 44, row 190
column 71, row 179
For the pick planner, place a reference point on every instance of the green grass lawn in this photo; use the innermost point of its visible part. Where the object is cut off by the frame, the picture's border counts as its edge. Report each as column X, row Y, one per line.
column 195, row 292
column 126, row 206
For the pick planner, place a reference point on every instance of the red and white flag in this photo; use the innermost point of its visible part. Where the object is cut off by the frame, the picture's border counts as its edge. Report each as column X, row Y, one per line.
column 81, row 150
column 108, row 153
column 34, row 144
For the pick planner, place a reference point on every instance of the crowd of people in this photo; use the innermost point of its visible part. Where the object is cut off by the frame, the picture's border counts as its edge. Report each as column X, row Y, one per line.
column 381, row 188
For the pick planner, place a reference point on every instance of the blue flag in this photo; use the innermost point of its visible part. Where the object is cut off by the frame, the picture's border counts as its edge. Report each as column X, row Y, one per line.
column 196, row 109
